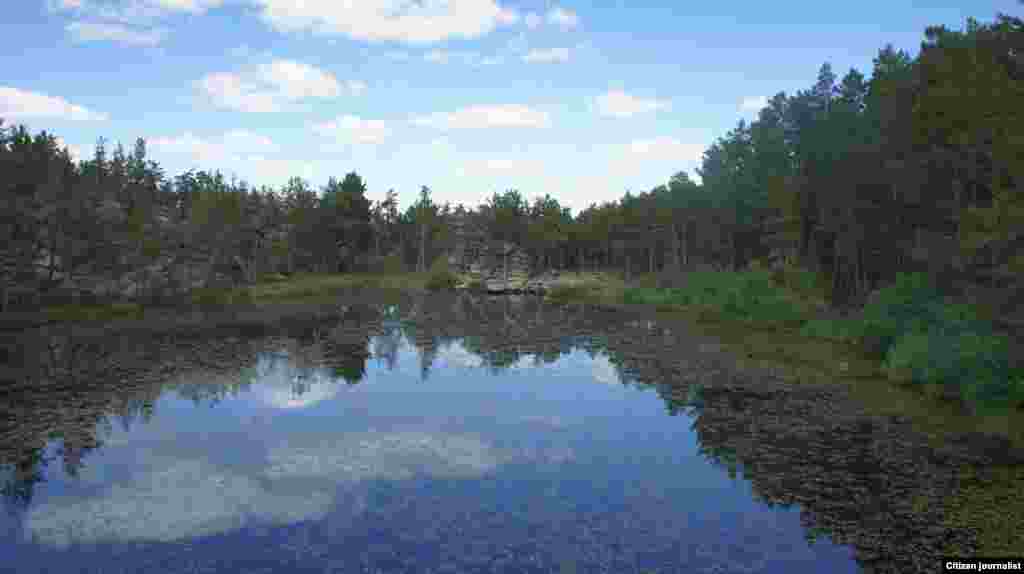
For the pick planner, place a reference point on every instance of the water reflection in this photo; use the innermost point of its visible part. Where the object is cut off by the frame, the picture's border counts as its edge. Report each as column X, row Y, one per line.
column 492, row 435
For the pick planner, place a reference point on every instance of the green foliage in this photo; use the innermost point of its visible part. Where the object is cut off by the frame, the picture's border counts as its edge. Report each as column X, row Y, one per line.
column 745, row 296
column 923, row 339
column 975, row 364
column 801, row 281
column 440, row 276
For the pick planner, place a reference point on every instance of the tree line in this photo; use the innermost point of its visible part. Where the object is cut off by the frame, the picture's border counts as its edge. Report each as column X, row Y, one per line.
column 856, row 177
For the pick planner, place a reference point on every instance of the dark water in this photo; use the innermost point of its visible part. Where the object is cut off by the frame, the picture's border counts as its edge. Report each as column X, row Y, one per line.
column 374, row 449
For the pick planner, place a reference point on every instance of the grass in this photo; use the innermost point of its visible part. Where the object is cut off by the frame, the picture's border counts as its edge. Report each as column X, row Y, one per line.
column 747, row 296
column 307, row 286
column 270, row 289
column 94, row 312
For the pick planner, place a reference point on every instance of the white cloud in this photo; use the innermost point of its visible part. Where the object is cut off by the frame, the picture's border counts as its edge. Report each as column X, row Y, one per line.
column 235, row 144
column 564, row 19
column 191, row 6
column 269, row 86
column 497, row 171
column 753, row 103
column 604, row 371
column 130, row 22
column 456, row 355
column 436, row 56
column 619, row 104
column 547, row 56
column 532, row 20
column 75, row 151
column 102, row 31
column 666, row 148
column 484, row 116
column 295, row 80
column 351, row 129
column 355, row 87
column 253, row 157
column 217, row 500
column 15, row 103
column 132, row 10
column 227, row 90
column 468, row 58
column 409, row 21
column 508, row 16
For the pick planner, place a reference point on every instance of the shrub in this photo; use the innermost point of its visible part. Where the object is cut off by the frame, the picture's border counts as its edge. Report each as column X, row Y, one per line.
column 843, row 331
column 975, row 364
column 747, row 296
column 440, row 276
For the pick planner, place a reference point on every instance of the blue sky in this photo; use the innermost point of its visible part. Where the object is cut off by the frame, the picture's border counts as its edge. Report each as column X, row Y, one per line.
column 582, row 100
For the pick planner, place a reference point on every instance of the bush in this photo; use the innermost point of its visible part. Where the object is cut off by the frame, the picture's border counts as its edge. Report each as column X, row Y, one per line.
column 798, row 280
column 440, row 276
column 976, row 365
column 746, row 296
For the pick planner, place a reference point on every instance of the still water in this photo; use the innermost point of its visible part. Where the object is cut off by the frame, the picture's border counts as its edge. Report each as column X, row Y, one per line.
column 386, row 457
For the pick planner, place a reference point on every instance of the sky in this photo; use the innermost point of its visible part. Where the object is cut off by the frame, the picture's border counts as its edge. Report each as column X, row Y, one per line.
column 582, row 100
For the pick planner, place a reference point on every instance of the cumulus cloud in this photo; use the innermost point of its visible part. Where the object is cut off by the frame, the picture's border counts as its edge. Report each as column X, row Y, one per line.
column 547, row 56
column 532, row 20
column 456, row 355
column 753, row 103
column 234, row 144
column 408, row 21
column 486, row 116
column 270, row 86
column 128, row 10
column 183, row 499
column 15, row 103
column 564, row 19
column 82, row 31
column 619, row 104
column 666, row 148
column 604, row 371
column 129, row 22
column 499, row 169
column 473, row 59
column 351, row 129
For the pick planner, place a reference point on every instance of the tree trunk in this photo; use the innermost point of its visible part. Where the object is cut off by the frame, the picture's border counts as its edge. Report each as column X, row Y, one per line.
column 651, row 259
column 423, row 248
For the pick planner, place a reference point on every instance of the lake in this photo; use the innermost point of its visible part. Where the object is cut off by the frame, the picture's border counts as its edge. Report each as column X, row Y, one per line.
column 435, row 435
